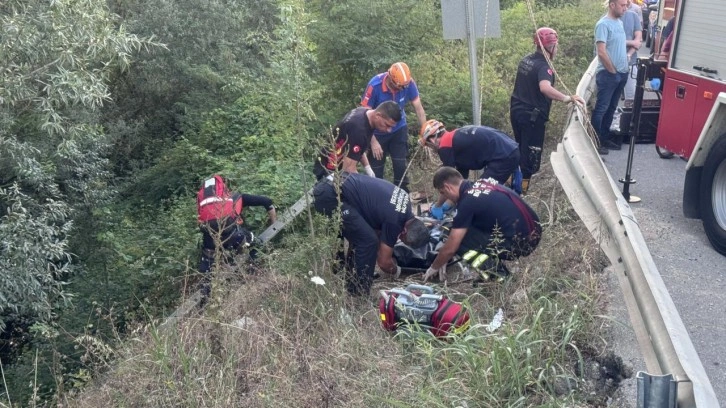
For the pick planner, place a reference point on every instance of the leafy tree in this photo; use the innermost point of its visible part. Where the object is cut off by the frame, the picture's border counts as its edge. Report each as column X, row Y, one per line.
column 356, row 40
column 210, row 46
column 57, row 58
column 255, row 140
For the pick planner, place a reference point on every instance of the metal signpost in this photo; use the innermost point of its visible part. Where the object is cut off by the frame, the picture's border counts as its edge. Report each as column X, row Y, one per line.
column 467, row 19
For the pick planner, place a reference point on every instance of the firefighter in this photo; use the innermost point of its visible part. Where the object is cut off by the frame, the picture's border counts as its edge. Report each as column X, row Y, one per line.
column 492, row 224
column 352, row 137
column 529, row 106
column 471, row 148
column 374, row 215
column 394, row 85
column 221, row 221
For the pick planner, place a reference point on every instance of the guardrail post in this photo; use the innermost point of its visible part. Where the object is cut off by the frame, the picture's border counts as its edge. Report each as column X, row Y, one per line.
column 656, row 391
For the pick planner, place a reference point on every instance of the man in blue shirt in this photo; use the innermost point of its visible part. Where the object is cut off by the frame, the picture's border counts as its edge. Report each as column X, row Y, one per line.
column 394, row 85
column 612, row 71
column 633, row 26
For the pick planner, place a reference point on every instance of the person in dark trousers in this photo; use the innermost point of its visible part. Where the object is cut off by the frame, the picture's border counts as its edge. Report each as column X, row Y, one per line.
column 492, row 224
column 612, row 72
column 529, row 106
column 471, row 148
column 374, row 214
column 228, row 230
column 633, row 27
column 394, row 85
column 352, row 138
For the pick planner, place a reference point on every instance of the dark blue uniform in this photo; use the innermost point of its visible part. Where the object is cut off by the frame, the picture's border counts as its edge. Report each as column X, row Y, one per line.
column 529, row 110
column 488, row 209
column 369, row 206
column 352, row 138
column 479, row 147
column 231, row 234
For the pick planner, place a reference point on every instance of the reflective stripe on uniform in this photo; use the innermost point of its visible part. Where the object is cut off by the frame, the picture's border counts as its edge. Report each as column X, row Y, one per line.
column 469, row 255
column 211, row 200
column 479, row 260
column 403, row 72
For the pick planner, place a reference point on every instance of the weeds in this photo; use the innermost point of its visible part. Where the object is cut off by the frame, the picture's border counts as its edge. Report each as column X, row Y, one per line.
column 285, row 339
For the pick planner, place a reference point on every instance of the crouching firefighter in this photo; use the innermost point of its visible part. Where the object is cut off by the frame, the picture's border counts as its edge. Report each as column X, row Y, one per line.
column 374, row 215
column 221, row 222
column 492, row 224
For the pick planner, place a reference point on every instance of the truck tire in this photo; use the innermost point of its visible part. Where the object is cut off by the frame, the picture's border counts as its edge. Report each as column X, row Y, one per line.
column 663, row 152
column 713, row 196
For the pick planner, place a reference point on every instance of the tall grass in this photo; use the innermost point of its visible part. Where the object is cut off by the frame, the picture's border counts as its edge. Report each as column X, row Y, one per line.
column 279, row 339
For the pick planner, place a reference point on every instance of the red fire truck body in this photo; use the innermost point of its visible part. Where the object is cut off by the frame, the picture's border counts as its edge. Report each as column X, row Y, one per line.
column 692, row 118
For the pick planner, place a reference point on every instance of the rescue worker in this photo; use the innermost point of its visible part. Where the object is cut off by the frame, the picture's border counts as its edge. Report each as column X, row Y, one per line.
column 221, row 222
column 492, row 224
column 471, row 148
column 352, row 138
column 374, row 214
column 394, row 85
column 529, row 106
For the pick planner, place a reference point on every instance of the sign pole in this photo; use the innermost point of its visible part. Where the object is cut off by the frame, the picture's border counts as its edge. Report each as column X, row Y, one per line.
column 471, row 37
column 469, row 19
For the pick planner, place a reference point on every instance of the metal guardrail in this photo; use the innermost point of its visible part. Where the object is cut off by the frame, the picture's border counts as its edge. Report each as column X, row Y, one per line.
column 664, row 341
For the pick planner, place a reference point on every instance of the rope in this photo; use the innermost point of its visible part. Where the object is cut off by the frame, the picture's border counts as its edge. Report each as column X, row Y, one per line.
column 483, row 56
column 410, row 162
column 589, row 130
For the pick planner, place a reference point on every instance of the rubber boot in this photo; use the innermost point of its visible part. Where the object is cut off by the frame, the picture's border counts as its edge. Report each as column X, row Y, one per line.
column 525, row 186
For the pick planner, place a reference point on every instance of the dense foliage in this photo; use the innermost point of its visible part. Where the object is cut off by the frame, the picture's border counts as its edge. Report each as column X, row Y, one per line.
column 111, row 112
column 57, row 61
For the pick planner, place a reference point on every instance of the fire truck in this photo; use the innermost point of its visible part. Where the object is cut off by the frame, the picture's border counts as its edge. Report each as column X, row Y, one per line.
column 692, row 114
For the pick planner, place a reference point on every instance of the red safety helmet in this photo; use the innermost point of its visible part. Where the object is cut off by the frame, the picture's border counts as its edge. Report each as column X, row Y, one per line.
column 546, row 38
column 400, row 74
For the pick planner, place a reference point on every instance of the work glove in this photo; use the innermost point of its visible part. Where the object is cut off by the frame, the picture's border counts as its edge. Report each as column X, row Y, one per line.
column 396, row 275
column 369, row 171
column 438, row 212
column 441, row 272
column 398, row 272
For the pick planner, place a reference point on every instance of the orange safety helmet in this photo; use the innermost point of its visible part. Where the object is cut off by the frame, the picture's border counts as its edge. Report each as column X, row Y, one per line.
column 431, row 128
column 400, row 74
column 545, row 37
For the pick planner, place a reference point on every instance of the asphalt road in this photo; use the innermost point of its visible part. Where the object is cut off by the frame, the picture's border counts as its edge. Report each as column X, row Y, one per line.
column 694, row 273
